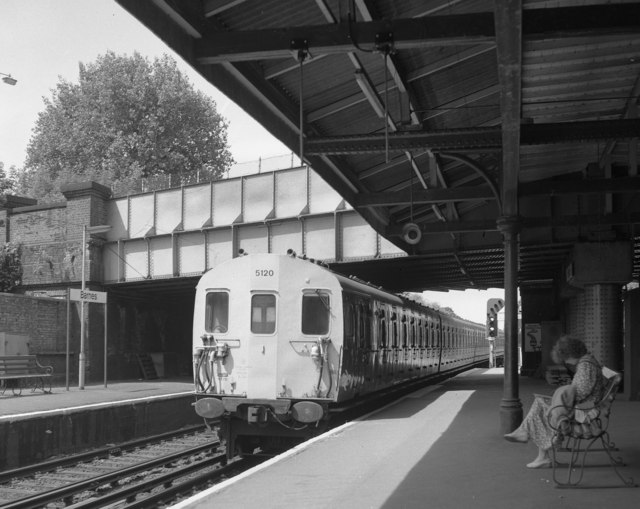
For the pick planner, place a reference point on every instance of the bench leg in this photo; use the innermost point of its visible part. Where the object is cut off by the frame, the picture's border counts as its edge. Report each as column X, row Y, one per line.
column 42, row 383
column 574, row 471
column 16, row 387
column 45, row 384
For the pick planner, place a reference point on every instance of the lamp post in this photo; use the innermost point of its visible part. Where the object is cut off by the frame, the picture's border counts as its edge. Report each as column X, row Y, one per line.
column 8, row 79
column 82, row 360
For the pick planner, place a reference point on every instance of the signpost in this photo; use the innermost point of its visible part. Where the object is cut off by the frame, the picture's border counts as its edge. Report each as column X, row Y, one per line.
column 87, row 296
column 83, row 296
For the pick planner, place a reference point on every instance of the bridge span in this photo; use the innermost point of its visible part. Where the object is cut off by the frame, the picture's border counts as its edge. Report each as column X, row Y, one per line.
column 185, row 231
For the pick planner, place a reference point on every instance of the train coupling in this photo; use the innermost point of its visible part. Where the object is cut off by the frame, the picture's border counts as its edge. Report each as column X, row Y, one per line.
column 220, row 348
column 319, row 350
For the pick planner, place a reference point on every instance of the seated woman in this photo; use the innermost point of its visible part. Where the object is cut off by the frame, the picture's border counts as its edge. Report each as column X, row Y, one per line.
column 587, row 386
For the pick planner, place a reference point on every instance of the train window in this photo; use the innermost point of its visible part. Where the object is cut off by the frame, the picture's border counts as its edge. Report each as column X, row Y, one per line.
column 393, row 330
column 217, row 312
column 382, row 331
column 366, row 320
column 349, row 319
column 316, row 313
column 363, row 325
column 263, row 314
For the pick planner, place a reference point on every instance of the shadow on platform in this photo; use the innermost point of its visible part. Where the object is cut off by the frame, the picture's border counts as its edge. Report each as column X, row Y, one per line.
column 471, row 465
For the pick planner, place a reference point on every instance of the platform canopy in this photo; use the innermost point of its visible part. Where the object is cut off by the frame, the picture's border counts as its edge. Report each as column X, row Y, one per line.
column 435, row 118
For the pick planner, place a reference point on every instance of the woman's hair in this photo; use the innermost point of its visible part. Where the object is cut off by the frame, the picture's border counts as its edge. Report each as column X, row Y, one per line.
column 568, row 347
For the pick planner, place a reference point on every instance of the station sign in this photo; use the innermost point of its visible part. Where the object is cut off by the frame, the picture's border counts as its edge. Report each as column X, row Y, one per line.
column 87, row 296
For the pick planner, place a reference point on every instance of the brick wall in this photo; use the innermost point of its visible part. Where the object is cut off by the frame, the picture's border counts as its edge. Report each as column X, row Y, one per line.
column 51, row 238
column 51, row 235
column 48, row 257
column 44, row 320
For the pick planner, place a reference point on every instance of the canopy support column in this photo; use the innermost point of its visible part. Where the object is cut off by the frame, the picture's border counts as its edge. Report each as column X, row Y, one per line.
column 510, row 406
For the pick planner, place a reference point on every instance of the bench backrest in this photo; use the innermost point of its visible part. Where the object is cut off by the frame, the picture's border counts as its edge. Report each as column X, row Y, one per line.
column 593, row 422
column 611, row 388
column 19, row 364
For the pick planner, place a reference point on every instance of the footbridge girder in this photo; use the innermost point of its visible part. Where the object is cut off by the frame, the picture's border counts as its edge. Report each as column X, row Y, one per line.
column 182, row 232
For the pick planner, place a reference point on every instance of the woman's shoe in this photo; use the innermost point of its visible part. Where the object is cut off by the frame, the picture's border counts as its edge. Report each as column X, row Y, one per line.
column 519, row 436
column 540, row 463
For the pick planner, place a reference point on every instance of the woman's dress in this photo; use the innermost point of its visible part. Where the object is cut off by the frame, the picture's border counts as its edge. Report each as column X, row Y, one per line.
column 589, row 385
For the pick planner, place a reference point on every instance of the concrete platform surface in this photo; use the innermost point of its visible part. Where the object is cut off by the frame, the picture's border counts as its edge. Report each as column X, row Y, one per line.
column 438, row 448
column 30, row 403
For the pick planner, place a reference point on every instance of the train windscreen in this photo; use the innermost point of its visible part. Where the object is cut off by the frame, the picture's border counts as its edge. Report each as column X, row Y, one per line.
column 315, row 313
column 217, row 312
column 263, row 314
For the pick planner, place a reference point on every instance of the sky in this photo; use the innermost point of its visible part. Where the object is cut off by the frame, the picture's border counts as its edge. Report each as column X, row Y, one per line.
column 42, row 41
column 469, row 304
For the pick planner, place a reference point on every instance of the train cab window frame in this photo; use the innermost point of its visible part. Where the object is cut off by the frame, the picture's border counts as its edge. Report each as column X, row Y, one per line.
column 315, row 319
column 264, row 315
column 217, row 311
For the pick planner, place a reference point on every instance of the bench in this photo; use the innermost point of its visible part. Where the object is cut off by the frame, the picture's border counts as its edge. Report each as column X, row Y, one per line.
column 585, row 428
column 20, row 371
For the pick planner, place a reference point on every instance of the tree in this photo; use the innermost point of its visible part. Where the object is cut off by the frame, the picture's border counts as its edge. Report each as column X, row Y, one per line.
column 7, row 183
column 126, row 118
column 10, row 267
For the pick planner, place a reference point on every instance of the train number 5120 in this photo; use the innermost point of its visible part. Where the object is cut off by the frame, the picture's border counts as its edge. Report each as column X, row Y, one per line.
column 264, row 273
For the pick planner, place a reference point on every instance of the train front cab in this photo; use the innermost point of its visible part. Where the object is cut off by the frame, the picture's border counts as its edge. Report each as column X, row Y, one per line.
column 271, row 371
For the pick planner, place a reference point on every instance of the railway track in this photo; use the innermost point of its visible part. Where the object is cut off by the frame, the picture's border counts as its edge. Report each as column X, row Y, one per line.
column 148, row 474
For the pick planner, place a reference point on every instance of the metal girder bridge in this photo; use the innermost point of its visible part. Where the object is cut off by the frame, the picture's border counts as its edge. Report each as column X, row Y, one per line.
column 172, row 236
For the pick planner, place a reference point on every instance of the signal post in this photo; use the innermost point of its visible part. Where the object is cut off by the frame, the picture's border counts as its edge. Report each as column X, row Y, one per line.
column 493, row 307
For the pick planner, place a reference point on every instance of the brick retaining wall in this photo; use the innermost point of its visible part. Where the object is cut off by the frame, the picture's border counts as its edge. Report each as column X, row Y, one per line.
column 44, row 320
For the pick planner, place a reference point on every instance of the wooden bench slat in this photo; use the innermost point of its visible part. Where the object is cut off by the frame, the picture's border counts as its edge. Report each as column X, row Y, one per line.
column 18, row 367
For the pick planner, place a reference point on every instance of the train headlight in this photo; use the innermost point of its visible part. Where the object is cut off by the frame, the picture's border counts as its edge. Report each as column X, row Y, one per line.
column 307, row 411
column 210, row 408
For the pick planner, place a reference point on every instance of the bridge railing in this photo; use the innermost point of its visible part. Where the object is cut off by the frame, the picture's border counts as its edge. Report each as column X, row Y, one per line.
column 162, row 182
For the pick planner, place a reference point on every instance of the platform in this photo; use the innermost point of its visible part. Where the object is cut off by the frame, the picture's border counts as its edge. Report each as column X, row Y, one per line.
column 439, row 447
column 36, row 426
column 30, row 403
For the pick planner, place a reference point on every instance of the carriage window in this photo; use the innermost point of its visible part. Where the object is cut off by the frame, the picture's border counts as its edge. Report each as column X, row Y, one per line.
column 315, row 313
column 382, row 332
column 263, row 314
column 217, row 312
column 349, row 320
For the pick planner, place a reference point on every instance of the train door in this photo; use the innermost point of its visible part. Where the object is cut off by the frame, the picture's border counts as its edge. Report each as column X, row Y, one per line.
column 262, row 350
column 310, row 341
column 431, row 350
column 383, row 345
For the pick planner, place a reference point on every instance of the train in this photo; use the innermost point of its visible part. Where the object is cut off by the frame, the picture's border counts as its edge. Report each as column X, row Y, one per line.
column 281, row 343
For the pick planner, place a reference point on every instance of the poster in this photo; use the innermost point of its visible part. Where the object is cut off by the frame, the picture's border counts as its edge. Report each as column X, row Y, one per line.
column 532, row 337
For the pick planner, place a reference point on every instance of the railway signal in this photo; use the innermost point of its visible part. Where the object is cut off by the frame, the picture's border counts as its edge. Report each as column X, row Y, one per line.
column 493, row 307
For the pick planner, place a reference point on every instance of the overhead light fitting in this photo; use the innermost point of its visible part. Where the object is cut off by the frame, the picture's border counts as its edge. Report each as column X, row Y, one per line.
column 411, row 233
column 8, row 79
